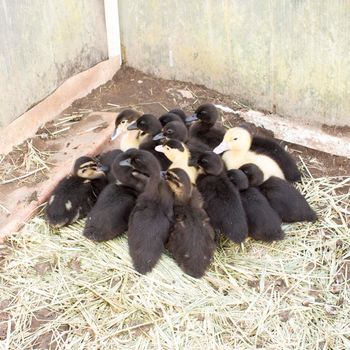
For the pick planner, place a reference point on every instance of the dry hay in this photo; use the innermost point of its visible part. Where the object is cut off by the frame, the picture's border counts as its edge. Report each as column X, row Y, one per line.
column 59, row 288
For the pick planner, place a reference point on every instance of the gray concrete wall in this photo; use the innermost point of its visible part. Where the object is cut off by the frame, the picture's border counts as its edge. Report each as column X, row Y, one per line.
column 42, row 43
column 291, row 54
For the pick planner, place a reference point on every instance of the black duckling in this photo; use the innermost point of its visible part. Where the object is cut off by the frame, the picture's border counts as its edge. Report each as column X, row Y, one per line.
column 173, row 130
column 179, row 155
column 263, row 222
column 151, row 126
column 130, row 138
column 284, row 198
column 239, row 147
column 75, row 195
column 180, row 113
column 221, row 199
column 170, row 117
column 109, row 217
column 107, row 159
column 191, row 240
column 206, row 129
column 152, row 216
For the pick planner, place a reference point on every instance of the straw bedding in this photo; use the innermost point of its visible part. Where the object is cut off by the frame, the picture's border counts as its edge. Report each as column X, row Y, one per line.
column 61, row 291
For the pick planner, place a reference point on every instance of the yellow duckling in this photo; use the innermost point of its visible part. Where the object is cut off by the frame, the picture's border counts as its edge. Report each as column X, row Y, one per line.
column 179, row 156
column 129, row 138
column 236, row 149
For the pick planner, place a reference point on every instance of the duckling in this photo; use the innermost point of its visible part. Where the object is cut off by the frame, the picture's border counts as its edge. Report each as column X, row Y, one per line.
column 221, row 199
column 75, row 194
column 127, row 175
column 239, row 148
column 106, row 159
column 173, row 130
column 170, row 117
column 151, row 126
column 130, row 138
column 180, row 113
column 283, row 197
column 151, row 218
column 109, row 217
column 191, row 240
column 179, row 156
column 206, row 129
column 263, row 222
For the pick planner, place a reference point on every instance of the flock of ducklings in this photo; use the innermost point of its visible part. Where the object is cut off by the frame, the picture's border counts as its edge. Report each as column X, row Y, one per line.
column 178, row 182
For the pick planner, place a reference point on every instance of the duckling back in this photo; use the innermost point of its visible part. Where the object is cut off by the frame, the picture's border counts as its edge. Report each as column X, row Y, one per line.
column 71, row 200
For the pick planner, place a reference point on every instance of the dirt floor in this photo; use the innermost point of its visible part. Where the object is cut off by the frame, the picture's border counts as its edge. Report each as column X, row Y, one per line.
column 234, row 285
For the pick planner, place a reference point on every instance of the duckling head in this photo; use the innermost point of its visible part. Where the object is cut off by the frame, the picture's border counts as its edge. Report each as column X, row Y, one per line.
column 238, row 179
column 179, row 112
column 170, row 117
column 180, row 184
column 89, row 168
column 173, row 130
column 148, row 124
column 123, row 120
column 211, row 163
column 174, row 150
column 254, row 174
column 237, row 139
column 141, row 161
column 207, row 114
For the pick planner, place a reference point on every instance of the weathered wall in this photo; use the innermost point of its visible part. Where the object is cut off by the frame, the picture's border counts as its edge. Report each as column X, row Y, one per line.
column 291, row 54
column 42, row 43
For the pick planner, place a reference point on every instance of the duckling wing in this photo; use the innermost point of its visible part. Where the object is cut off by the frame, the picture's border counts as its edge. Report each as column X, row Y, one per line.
column 287, row 201
column 223, row 206
column 190, row 241
column 279, row 155
column 69, row 201
column 109, row 216
column 147, row 233
column 263, row 222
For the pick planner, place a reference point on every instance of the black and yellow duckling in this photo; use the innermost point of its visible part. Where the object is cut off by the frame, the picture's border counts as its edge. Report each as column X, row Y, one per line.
column 222, row 201
column 263, row 222
column 151, row 126
column 152, row 216
column 205, row 128
column 75, row 194
column 130, row 138
column 179, row 155
column 170, row 117
column 109, row 217
column 239, row 147
column 191, row 240
column 283, row 197
column 173, row 130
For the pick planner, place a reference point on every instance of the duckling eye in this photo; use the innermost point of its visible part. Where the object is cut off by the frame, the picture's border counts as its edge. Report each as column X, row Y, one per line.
column 235, row 139
column 169, row 132
column 123, row 121
column 142, row 122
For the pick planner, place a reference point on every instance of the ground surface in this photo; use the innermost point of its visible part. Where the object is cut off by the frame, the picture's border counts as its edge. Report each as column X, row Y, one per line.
column 58, row 288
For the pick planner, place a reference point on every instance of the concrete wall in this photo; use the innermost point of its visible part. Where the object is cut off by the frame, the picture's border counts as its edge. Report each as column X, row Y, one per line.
column 42, row 43
column 291, row 54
